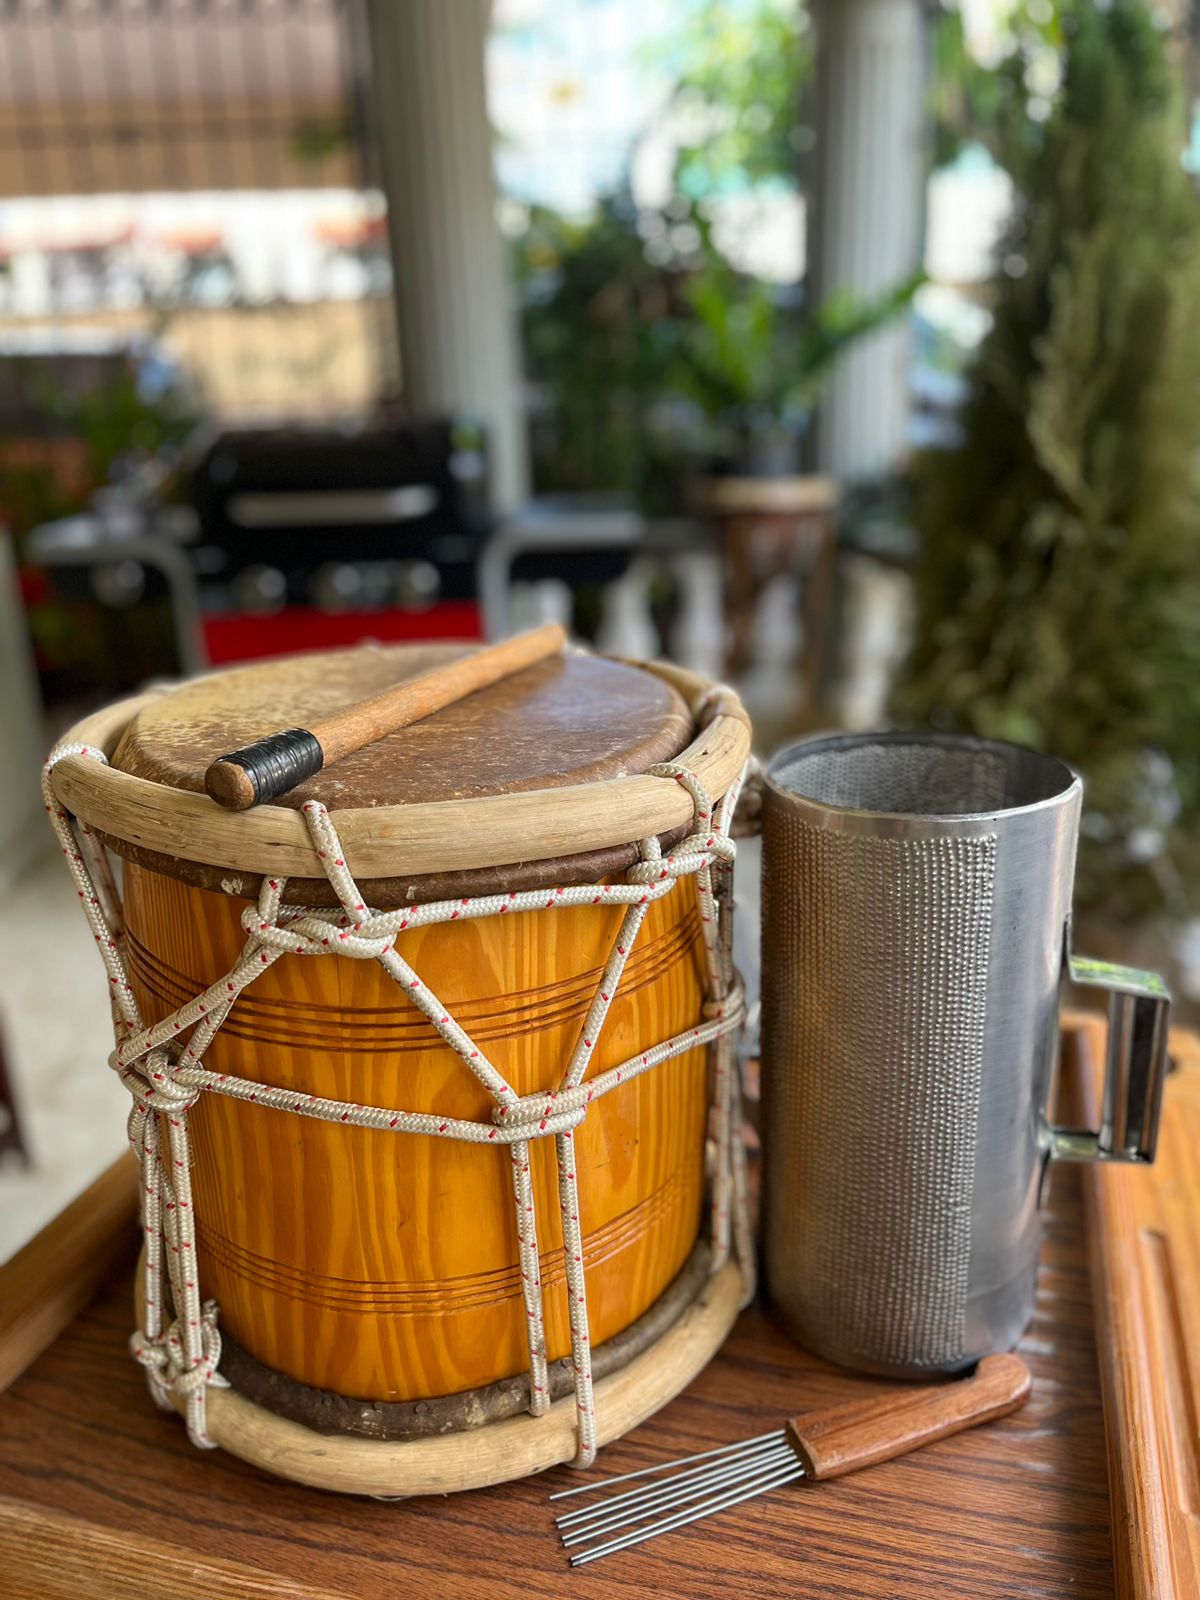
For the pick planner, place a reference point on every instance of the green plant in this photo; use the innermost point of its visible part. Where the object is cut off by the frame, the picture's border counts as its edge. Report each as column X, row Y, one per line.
column 743, row 66
column 1001, row 104
column 605, row 300
column 1059, row 585
column 754, row 356
column 646, row 349
column 125, row 421
column 134, row 418
column 600, row 325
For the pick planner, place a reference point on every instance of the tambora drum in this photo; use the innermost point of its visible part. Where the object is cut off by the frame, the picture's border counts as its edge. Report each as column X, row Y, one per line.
column 432, row 1062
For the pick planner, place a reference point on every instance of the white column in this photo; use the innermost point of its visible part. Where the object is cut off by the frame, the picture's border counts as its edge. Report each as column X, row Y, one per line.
column 868, row 229
column 455, row 314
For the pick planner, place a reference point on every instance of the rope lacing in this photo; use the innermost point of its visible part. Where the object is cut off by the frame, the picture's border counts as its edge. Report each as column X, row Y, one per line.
column 162, row 1067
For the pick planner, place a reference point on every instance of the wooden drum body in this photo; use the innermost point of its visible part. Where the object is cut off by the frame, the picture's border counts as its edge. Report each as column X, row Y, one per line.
column 389, row 1270
column 373, row 1290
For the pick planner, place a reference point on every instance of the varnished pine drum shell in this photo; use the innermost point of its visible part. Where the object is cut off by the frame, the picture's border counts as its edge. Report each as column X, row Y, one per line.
column 384, row 1268
column 388, row 1270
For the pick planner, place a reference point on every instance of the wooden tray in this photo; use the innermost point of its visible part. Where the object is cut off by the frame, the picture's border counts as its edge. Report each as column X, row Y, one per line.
column 1143, row 1227
column 101, row 1494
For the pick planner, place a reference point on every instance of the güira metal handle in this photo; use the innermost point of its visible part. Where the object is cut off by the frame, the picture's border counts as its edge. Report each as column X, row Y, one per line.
column 1139, row 1005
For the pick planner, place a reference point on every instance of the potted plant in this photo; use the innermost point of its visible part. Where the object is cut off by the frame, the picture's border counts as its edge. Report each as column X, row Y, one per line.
column 754, row 359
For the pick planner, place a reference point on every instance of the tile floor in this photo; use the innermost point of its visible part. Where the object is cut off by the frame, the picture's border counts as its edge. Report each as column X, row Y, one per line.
column 57, row 1034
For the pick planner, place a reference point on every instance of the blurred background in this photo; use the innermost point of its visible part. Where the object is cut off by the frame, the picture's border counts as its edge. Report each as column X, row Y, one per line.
column 847, row 349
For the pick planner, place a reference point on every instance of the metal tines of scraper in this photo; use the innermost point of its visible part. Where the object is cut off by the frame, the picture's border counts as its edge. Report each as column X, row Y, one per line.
column 817, row 1444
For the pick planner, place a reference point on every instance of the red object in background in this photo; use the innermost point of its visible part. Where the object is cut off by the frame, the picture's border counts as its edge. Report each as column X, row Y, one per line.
column 35, row 586
column 247, row 638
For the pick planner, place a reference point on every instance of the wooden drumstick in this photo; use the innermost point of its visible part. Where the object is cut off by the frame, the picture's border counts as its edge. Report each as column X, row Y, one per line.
column 274, row 764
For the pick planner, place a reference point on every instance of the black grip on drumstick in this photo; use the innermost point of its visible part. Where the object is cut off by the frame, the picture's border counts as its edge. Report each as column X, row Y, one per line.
column 273, row 766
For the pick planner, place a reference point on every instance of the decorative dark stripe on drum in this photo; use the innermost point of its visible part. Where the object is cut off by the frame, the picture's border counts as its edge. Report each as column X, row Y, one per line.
column 682, row 933
column 280, row 1022
column 452, row 1295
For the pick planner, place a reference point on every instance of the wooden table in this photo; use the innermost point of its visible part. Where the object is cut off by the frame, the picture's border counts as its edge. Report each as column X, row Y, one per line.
column 101, row 1494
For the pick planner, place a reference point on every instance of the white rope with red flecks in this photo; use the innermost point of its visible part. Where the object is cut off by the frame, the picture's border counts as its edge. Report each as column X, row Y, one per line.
column 162, row 1067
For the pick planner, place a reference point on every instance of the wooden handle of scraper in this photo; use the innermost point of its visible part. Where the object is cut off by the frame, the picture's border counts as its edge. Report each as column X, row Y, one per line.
column 844, row 1438
column 273, row 765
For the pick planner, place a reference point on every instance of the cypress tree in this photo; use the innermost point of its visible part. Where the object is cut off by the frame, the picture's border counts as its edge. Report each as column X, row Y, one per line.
column 1058, row 586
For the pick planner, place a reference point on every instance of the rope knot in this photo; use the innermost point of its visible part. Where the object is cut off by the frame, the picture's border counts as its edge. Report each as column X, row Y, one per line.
column 169, row 1370
column 314, row 933
column 151, row 1354
column 655, row 870
column 710, row 844
column 153, row 1083
column 543, row 1113
column 729, row 1007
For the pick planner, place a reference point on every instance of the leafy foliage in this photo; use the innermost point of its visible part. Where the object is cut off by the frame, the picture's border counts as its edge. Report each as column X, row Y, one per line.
column 1002, row 104
column 134, row 420
column 1059, row 587
column 755, row 352
column 648, row 351
column 608, row 302
column 600, row 327
column 127, row 421
column 743, row 69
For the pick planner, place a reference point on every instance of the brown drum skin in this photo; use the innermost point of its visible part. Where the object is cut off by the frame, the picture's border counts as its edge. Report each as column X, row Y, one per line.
column 382, row 1265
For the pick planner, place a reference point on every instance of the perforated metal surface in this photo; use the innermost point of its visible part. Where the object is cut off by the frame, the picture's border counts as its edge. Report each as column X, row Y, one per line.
column 875, row 958
column 890, row 776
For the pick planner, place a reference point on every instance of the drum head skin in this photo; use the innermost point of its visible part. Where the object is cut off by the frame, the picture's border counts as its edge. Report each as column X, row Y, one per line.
column 572, row 720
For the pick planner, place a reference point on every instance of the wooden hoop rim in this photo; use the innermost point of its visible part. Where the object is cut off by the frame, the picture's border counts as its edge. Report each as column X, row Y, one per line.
column 395, row 841
column 480, row 1457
